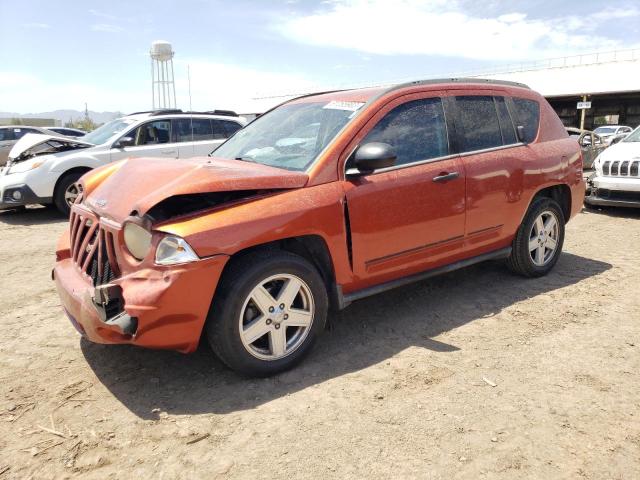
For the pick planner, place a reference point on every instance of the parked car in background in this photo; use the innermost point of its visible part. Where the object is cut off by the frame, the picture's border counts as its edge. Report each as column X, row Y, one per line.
column 44, row 168
column 321, row 201
column 10, row 134
column 609, row 132
column 616, row 181
column 590, row 143
column 68, row 131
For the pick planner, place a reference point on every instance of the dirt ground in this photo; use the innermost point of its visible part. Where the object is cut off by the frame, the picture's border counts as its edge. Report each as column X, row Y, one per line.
column 476, row 374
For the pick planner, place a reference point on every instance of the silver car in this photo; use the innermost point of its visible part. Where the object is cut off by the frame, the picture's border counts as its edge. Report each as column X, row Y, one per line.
column 10, row 134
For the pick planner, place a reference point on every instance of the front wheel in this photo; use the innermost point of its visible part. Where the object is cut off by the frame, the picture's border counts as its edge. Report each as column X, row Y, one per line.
column 267, row 313
column 67, row 192
column 538, row 242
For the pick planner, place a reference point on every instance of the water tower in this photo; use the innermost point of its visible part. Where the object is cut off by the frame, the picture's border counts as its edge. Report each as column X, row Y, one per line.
column 163, row 88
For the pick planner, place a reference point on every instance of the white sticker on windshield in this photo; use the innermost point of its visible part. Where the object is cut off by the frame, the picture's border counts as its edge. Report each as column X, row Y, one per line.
column 349, row 106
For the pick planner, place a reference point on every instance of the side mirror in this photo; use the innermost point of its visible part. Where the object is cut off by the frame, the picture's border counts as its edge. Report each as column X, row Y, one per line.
column 520, row 131
column 124, row 142
column 373, row 156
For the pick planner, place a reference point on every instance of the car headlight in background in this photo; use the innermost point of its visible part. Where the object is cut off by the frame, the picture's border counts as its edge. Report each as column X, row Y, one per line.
column 172, row 250
column 137, row 240
column 22, row 167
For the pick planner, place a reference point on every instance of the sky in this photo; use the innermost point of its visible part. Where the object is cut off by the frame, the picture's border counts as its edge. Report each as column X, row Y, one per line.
column 59, row 55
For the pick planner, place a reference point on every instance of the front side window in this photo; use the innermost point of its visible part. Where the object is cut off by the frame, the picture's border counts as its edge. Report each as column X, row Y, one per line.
column 478, row 123
column 290, row 136
column 152, row 133
column 416, row 130
column 528, row 115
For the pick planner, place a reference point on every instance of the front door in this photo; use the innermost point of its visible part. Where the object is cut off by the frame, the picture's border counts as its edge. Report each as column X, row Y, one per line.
column 151, row 139
column 409, row 217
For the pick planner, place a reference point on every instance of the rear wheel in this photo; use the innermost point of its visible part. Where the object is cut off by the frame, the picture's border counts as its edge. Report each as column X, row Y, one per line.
column 538, row 242
column 269, row 309
column 67, row 191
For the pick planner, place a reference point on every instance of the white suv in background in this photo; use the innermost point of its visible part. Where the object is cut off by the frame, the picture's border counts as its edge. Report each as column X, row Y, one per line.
column 44, row 169
column 616, row 181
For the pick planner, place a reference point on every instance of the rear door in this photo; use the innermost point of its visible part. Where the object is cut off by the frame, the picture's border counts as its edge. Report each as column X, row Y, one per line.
column 151, row 139
column 492, row 158
column 408, row 217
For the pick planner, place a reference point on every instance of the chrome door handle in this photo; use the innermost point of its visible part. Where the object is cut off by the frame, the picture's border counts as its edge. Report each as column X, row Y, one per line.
column 446, row 176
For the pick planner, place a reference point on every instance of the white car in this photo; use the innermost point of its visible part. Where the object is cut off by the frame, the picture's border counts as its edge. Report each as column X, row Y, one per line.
column 610, row 132
column 616, row 181
column 44, row 169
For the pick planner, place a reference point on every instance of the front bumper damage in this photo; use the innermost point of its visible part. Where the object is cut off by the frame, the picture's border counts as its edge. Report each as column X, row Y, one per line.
column 613, row 191
column 156, row 308
column 13, row 196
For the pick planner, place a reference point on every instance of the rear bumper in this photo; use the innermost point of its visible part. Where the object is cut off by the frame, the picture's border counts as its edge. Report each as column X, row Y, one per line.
column 156, row 308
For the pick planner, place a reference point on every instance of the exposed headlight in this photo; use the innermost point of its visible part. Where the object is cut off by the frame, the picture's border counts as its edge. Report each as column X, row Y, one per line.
column 173, row 250
column 22, row 167
column 137, row 240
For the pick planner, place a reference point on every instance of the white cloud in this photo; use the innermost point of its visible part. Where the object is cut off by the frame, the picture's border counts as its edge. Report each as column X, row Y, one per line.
column 36, row 25
column 445, row 28
column 248, row 90
column 106, row 27
column 98, row 13
column 213, row 85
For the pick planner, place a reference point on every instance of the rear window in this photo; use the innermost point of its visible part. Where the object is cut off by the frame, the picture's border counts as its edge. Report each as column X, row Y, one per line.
column 528, row 115
column 478, row 122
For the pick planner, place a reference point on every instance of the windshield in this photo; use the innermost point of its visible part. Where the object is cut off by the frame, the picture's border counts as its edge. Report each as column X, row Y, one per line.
column 106, row 131
column 633, row 136
column 291, row 136
column 605, row 130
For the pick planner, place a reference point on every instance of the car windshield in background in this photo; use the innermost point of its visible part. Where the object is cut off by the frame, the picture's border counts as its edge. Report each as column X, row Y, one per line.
column 291, row 136
column 605, row 130
column 633, row 136
column 106, row 131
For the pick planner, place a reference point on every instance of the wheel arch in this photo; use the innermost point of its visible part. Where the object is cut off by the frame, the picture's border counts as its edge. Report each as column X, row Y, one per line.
column 561, row 193
column 312, row 248
column 80, row 169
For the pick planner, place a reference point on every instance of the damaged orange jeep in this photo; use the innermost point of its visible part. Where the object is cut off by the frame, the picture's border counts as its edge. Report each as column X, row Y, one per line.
column 324, row 200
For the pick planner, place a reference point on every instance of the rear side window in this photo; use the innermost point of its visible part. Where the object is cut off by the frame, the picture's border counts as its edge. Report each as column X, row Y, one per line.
column 6, row 134
column 416, row 130
column 230, row 127
column 192, row 129
column 478, row 119
column 506, row 125
column 219, row 132
column 528, row 115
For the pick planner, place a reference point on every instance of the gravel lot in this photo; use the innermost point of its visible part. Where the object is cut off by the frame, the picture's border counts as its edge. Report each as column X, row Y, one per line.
column 476, row 374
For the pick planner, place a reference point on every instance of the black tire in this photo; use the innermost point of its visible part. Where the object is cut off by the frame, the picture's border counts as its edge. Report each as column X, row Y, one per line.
column 63, row 184
column 239, row 279
column 520, row 261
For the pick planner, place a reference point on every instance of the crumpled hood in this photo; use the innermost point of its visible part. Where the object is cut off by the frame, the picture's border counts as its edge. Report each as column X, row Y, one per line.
column 141, row 183
column 32, row 143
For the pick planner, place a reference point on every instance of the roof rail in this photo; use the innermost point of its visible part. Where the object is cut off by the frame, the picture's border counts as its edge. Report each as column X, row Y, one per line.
column 225, row 113
column 177, row 111
column 157, row 112
column 459, row 80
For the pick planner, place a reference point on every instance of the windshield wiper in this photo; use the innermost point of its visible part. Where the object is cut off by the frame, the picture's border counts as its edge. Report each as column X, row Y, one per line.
column 245, row 159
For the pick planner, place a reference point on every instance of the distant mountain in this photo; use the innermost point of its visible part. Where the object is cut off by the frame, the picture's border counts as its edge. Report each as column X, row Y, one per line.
column 66, row 115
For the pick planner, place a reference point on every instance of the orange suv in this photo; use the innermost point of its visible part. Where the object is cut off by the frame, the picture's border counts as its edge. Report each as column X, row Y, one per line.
column 325, row 199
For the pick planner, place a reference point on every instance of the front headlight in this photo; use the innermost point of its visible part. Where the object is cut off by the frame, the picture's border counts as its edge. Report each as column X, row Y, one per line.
column 22, row 167
column 137, row 240
column 172, row 250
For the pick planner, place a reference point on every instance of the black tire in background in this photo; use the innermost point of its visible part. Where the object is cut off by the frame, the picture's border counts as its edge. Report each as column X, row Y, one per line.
column 520, row 261
column 63, row 185
column 239, row 280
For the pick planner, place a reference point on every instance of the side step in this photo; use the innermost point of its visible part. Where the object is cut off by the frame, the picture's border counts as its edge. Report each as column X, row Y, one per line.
column 346, row 299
